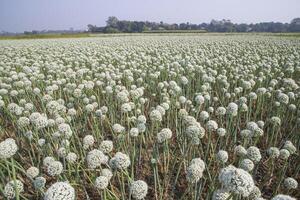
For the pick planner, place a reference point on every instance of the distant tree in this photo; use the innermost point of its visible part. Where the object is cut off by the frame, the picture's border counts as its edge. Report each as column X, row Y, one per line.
column 91, row 28
column 294, row 25
column 112, row 21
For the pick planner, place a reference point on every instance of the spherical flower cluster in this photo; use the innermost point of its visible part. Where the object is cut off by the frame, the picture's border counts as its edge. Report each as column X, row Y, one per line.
column 253, row 154
column 71, row 157
column 283, row 197
column 23, row 122
column 195, row 170
column 107, row 173
column 290, row 183
column 232, row 109
column 39, row 182
column 221, row 194
column 95, row 158
column 273, row 152
column 211, row 125
column 236, row 180
column 164, row 135
column 138, row 189
column 65, row 130
column 194, row 132
column 284, row 154
column 120, row 161
column 155, row 116
column 101, row 182
column 288, row 145
column 222, row 156
column 247, row 164
column 240, row 150
column 32, row 172
column 88, row 141
column 9, row 189
column 118, row 128
column 221, row 132
column 106, row 146
column 134, row 132
column 54, row 168
column 60, row 191
column 39, row 120
column 8, row 148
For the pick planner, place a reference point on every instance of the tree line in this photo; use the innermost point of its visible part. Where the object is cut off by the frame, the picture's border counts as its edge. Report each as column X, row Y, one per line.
column 114, row 25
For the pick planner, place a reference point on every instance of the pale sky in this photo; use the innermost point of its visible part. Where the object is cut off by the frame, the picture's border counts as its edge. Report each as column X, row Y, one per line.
column 21, row 15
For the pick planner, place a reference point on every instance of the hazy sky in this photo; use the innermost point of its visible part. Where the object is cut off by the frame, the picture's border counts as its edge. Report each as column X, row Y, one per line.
column 20, row 15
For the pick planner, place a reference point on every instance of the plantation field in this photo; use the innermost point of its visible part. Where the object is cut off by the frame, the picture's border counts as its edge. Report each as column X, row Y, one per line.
column 149, row 116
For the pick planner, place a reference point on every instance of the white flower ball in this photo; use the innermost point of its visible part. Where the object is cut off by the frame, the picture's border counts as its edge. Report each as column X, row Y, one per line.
column 54, row 168
column 101, row 182
column 290, row 183
column 32, row 172
column 222, row 156
column 283, row 197
column 95, row 158
column 107, row 173
column 253, row 154
column 106, row 146
column 138, row 189
column 8, row 148
column 60, row 191
column 247, row 164
column 236, row 180
column 9, row 189
column 221, row 194
column 164, row 135
column 120, row 161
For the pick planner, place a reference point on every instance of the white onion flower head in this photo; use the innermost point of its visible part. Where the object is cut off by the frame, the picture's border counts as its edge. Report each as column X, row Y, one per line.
column 253, row 154
column 221, row 194
column 47, row 160
column 256, row 193
column 232, row 109
column 236, row 180
column 101, row 182
column 95, row 158
column 142, row 119
column 107, row 173
column 204, row 115
column 240, row 150
column 290, row 183
column 283, row 197
column 9, row 189
column 60, row 191
column 39, row 182
column 32, row 172
column 134, row 132
column 288, row 145
column 120, row 161
column 211, row 125
column 221, row 132
column 8, row 148
column 247, row 164
column 118, row 128
column 65, row 130
column 138, row 189
column 88, row 141
column 155, row 116
column 273, row 152
column 164, row 135
column 55, row 168
column 222, row 156
column 284, row 154
column 106, row 146
column 71, row 157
